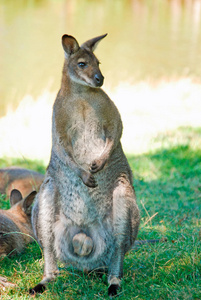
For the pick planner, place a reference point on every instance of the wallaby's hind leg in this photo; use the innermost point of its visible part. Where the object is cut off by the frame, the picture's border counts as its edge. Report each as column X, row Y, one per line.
column 43, row 219
column 126, row 221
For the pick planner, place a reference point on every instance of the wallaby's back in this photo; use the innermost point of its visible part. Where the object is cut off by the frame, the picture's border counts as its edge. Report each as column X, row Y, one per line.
column 21, row 179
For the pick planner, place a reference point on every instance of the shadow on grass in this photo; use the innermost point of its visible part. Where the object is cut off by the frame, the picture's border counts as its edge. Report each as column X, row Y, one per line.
column 167, row 182
column 168, row 187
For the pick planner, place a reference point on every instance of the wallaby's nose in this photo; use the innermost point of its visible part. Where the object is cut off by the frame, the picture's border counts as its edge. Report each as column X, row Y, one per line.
column 99, row 79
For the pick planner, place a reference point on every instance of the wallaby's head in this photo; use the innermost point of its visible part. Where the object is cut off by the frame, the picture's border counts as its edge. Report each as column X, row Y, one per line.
column 19, row 205
column 82, row 64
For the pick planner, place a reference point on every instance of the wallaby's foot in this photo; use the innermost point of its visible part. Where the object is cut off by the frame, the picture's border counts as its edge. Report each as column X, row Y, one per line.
column 82, row 244
column 88, row 179
column 41, row 287
column 112, row 290
column 38, row 289
column 5, row 283
column 114, row 285
column 97, row 165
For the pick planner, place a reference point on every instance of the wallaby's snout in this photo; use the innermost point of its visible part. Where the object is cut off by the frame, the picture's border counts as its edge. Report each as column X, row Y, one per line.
column 98, row 78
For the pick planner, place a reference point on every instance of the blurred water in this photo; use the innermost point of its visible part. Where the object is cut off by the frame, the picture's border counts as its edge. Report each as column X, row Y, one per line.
column 147, row 40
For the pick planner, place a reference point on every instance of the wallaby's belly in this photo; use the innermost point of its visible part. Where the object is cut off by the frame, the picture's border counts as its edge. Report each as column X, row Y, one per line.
column 84, row 205
column 84, row 209
column 101, row 235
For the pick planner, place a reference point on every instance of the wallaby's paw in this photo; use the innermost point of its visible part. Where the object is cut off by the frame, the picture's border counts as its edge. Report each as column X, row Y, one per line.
column 112, row 290
column 89, row 179
column 96, row 166
column 114, row 285
column 82, row 244
column 38, row 289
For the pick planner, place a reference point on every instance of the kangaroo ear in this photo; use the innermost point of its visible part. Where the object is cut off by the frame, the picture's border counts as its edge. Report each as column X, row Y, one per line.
column 93, row 43
column 69, row 44
column 28, row 202
column 15, row 196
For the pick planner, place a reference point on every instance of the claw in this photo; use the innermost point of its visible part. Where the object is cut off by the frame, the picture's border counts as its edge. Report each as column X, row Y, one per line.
column 89, row 180
column 112, row 290
column 39, row 288
column 96, row 166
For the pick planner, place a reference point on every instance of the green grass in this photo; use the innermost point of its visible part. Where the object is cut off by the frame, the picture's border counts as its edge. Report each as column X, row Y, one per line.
column 168, row 188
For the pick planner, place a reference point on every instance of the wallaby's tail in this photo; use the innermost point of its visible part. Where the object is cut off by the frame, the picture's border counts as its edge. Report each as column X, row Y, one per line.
column 139, row 243
column 82, row 244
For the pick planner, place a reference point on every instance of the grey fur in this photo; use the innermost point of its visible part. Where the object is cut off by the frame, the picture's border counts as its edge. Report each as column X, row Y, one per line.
column 88, row 184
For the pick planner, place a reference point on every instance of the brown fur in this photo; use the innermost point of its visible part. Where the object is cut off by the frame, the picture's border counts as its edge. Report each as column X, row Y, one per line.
column 15, row 224
column 21, row 179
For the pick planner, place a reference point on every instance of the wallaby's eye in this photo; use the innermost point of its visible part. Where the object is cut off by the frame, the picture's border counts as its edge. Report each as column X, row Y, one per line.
column 82, row 64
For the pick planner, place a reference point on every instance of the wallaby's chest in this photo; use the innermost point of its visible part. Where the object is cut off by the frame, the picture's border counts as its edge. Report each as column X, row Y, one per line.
column 85, row 128
column 85, row 119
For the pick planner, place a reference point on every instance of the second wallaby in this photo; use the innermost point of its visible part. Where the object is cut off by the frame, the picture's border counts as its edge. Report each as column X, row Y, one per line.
column 21, row 179
column 85, row 213
column 15, row 224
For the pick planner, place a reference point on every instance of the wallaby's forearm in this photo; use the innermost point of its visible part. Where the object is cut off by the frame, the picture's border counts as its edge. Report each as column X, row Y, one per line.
column 66, row 156
column 99, row 163
column 112, row 138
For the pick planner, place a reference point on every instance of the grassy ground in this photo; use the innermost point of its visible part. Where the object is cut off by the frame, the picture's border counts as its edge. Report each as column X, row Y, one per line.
column 168, row 187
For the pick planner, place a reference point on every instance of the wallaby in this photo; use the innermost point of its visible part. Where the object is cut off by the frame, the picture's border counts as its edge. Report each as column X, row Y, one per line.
column 85, row 213
column 21, row 179
column 15, row 224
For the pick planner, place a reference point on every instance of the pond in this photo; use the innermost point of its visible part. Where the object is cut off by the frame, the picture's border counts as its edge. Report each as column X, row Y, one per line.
column 147, row 41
